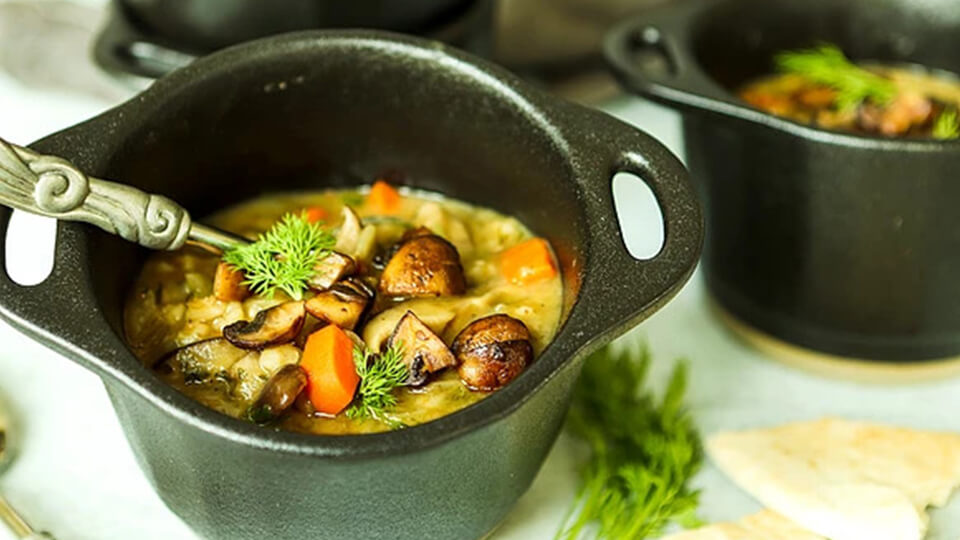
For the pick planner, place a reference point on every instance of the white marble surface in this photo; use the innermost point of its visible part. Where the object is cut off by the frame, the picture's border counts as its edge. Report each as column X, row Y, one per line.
column 77, row 477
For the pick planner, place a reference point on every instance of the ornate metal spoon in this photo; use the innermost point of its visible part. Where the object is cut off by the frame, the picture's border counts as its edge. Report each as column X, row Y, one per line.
column 54, row 187
column 8, row 515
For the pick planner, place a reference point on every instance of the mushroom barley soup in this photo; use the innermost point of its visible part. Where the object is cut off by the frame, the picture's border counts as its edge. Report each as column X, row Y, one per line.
column 354, row 311
column 822, row 87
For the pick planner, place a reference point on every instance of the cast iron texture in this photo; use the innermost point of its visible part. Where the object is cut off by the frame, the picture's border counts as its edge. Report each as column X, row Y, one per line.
column 150, row 38
column 323, row 109
column 841, row 243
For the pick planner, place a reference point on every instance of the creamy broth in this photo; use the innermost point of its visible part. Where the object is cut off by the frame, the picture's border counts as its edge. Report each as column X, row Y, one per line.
column 172, row 306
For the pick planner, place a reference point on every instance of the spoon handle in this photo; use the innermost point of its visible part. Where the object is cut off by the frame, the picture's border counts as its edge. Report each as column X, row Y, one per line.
column 17, row 524
column 54, row 187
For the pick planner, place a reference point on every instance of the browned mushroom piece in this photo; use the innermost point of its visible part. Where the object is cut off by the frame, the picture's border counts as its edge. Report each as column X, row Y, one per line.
column 228, row 284
column 906, row 111
column 424, row 352
column 278, row 394
column 279, row 324
column 342, row 305
column 425, row 265
column 492, row 351
column 331, row 269
column 416, row 233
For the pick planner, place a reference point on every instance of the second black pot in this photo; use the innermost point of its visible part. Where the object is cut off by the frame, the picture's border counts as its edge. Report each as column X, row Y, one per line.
column 150, row 38
column 840, row 243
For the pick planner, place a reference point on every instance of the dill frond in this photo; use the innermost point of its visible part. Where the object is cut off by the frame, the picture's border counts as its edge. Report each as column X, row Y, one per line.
column 827, row 65
column 947, row 125
column 380, row 374
column 283, row 258
column 643, row 453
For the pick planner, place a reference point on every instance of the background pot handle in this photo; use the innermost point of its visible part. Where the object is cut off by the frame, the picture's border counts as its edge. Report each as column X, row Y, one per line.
column 647, row 57
column 630, row 289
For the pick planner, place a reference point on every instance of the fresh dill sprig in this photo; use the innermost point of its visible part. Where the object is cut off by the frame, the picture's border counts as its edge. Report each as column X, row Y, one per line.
column 380, row 374
column 283, row 258
column 947, row 125
column 642, row 453
column 827, row 65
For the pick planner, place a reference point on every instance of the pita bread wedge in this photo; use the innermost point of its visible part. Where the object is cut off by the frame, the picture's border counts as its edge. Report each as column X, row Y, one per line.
column 844, row 480
column 765, row 525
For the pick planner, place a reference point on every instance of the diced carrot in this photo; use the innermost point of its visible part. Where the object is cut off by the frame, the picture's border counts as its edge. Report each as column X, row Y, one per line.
column 315, row 214
column 383, row 198
column 228, row 284
column 528, row 262
column 331, row 375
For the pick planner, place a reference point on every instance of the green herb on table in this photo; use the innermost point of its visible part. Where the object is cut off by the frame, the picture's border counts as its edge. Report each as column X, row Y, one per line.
column 643, row 453
column 380, row 374
column 947, row 125
column 283, row 258
column 827, row 65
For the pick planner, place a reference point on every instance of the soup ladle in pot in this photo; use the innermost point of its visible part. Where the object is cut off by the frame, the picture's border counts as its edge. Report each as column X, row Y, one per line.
column 53, row 187
column 8, row 515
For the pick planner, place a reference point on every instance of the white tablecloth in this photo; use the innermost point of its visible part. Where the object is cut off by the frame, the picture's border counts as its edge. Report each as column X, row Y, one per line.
column 77, row 477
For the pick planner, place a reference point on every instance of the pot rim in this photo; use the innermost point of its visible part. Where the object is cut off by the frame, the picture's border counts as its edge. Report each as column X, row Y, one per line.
column 583, row 330
column 670, row 28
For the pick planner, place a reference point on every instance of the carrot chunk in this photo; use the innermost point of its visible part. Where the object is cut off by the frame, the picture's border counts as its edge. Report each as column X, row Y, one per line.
column 315, row 214
column 383, row 198
column 528, row 262
column 331, row 375
column 228, row 284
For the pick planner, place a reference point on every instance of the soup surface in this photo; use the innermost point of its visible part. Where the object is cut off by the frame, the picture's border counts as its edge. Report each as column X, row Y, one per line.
column 822, row 87
column 421, row 277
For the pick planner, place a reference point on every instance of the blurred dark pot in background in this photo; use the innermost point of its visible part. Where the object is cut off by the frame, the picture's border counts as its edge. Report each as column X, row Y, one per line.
column 149, row 38
column 839, row 243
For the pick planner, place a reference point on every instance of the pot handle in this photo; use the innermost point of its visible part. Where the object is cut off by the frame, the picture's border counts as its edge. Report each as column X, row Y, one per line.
column 630, row 289
column 646, row 58
column 42, row 311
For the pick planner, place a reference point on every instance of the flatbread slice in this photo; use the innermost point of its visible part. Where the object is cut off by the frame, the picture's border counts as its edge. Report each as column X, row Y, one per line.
column 765, row 525
column 844, row 480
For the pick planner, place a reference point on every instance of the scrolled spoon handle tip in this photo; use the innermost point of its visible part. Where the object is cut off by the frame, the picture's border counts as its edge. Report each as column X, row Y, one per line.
column 53, row 187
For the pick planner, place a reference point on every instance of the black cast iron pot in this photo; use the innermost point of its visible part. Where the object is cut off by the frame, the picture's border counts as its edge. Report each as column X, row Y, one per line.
column 840, row 243
column 150, row 38
column 214, row 24
column 312, row 110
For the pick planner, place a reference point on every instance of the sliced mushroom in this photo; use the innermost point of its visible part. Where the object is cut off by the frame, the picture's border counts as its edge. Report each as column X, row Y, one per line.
column 279, row 324
column 228, row 284
column 492, row 351
column 436, row 315
column 348, row 236
column 424, row 352
column 342, row 305
column 279, row 393
column 201, row 361
column 331, row 269
column 425, row 265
